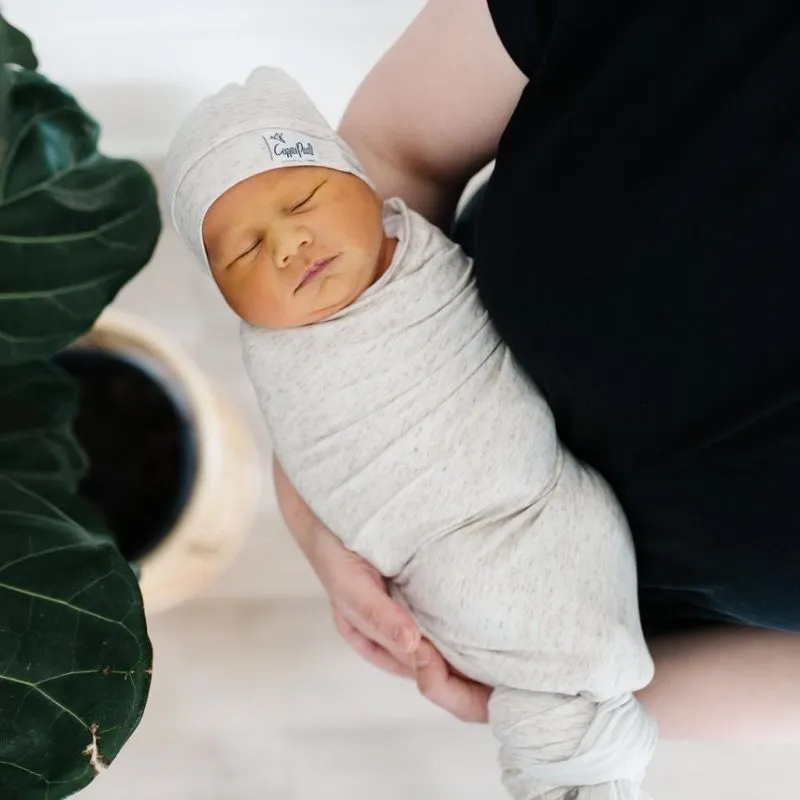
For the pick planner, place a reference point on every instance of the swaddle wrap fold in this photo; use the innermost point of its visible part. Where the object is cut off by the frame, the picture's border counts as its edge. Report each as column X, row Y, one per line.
column 405, row 424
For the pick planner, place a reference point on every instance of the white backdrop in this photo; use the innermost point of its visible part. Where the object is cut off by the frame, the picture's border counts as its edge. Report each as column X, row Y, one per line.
column 139, row 67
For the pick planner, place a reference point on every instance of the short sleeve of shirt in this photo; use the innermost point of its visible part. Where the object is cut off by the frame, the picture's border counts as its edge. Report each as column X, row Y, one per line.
column 524, row 28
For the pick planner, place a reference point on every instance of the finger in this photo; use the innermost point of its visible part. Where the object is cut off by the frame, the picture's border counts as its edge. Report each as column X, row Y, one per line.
column 358, row 590
column 465, row 699
column 370, row 651
column 377, row 617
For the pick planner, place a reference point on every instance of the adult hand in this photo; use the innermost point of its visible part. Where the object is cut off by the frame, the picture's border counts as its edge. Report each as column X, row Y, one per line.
column 376, row 627
column 384, row 633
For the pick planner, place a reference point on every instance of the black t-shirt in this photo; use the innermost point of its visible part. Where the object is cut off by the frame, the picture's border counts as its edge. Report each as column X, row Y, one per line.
column 638, row 247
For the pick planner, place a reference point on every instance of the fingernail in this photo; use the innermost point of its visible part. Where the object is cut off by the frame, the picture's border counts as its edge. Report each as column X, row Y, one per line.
column 406, row 640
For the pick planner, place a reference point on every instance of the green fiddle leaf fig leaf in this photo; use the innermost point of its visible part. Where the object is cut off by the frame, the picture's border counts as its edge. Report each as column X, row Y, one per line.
column 37, row 446
column 15, row 49
column 75, row 659
column 38, row 450
column 75, row 226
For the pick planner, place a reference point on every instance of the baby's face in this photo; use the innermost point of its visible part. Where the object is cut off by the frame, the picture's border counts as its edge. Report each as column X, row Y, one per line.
column 293, row 245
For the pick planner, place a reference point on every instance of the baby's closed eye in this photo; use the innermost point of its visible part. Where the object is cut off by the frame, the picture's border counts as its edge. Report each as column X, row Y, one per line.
column 251, row 249
column 298, row 206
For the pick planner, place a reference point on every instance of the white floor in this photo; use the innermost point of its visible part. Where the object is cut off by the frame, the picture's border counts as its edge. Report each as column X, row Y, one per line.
column 254, row 697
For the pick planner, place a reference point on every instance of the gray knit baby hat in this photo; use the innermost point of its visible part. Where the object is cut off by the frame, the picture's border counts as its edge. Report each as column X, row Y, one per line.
column 266, row 123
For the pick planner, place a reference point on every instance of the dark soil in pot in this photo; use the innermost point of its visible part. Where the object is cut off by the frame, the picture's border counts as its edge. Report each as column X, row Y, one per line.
column 140, row 442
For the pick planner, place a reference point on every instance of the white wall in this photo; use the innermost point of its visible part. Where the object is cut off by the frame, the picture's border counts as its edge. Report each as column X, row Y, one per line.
column 139, row 67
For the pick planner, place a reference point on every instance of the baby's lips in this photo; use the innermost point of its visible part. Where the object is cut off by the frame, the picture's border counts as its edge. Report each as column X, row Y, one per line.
column 312, row 270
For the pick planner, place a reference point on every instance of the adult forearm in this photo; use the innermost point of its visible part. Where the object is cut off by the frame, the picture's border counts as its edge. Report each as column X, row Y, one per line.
column 298, row 516
column 726, row 684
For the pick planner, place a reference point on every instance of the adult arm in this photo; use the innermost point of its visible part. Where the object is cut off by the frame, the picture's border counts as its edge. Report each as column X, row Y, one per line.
column 726, row 684
column 431, row 112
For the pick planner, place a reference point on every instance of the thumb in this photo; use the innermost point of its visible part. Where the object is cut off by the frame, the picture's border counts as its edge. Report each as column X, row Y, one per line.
column 364, row 601
column 465, row 699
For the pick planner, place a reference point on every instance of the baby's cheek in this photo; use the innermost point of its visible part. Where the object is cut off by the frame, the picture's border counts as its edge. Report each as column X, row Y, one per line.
column 247, row 300
column 262, row 308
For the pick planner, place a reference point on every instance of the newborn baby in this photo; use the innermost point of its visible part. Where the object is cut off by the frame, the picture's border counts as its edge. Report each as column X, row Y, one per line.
column 401, row 418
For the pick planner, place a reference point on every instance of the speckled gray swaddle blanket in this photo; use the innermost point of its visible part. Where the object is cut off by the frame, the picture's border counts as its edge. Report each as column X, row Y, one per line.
column 405, row 424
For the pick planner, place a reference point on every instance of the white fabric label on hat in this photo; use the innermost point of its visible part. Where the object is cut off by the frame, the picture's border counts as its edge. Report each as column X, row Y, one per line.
column 285, row 145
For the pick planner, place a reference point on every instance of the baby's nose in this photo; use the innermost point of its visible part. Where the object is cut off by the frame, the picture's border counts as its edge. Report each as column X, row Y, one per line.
column 291, row 247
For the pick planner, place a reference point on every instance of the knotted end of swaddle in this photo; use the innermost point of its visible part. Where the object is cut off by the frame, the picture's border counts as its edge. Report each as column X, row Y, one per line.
column 556, row 747
column 267, row 123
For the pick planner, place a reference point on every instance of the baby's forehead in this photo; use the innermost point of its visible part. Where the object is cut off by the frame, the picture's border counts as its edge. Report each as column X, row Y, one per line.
column 279, row 183
column 281, row 179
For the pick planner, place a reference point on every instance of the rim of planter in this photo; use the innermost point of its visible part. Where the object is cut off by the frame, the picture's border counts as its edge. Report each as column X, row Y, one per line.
column 221, row 504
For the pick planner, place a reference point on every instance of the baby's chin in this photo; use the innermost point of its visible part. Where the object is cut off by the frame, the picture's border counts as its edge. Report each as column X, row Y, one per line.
column 333, row 296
